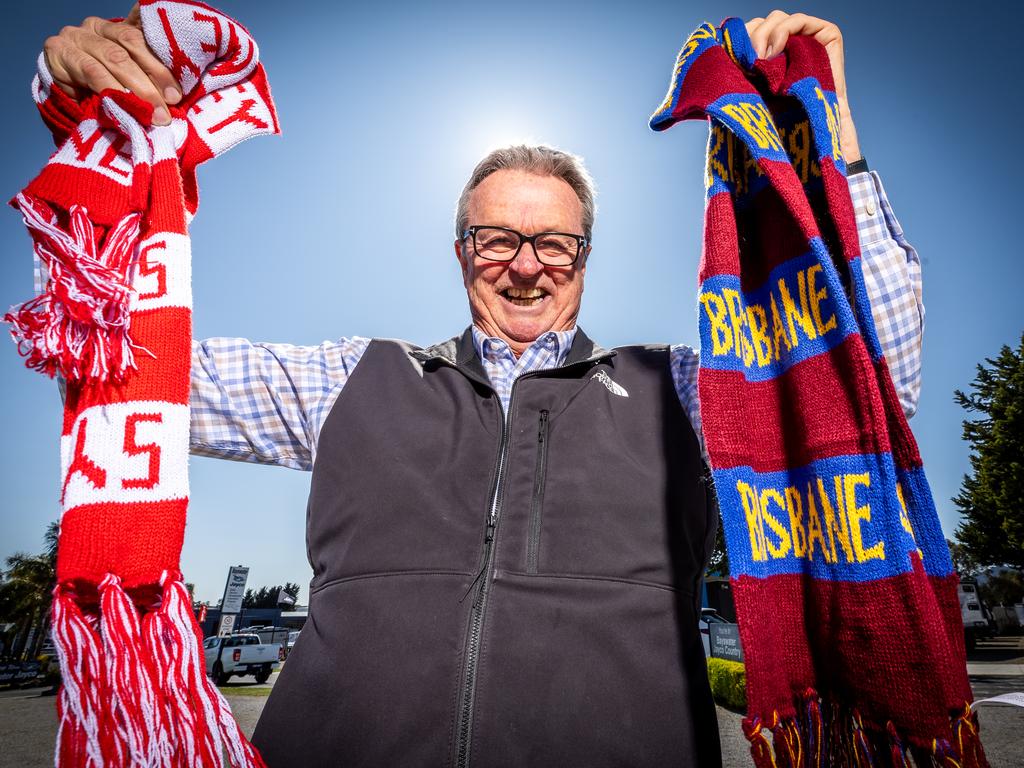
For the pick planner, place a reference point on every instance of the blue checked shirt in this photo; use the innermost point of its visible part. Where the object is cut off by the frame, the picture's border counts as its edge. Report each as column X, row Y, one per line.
column 266, row 403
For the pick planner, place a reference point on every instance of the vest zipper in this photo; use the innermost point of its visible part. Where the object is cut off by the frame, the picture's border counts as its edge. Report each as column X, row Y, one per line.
column 536, row 502
column 467, row 695
column 476, row 614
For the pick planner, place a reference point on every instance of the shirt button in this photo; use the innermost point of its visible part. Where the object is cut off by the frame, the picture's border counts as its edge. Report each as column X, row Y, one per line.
column 870, row 207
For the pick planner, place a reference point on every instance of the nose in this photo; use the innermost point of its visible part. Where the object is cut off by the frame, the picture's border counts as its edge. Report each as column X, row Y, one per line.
column 525, row 263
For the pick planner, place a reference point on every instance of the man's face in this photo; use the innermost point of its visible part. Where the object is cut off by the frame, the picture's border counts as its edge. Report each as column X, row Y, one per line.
column 519, row 300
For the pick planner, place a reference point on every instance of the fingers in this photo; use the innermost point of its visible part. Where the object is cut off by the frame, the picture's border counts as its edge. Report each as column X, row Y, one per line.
column 130, row 38
column 770, row 35
column 74, row 69
column 759, row 36
column 100, row 54
column 801, row 24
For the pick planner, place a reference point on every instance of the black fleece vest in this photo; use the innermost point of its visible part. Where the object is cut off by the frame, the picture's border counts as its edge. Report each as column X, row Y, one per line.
column 502, row 593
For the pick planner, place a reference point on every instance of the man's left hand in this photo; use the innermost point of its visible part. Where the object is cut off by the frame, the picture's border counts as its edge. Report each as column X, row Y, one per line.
column 769, row 36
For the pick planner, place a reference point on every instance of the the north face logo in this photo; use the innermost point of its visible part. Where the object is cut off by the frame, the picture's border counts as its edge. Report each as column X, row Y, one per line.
column 610, row 385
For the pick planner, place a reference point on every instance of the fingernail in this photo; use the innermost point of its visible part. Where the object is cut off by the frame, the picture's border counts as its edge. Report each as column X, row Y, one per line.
column 768, row 52
column 172, row 95
column 161, row 116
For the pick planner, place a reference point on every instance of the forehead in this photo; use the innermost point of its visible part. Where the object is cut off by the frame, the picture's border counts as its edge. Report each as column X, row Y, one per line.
column 525, row 201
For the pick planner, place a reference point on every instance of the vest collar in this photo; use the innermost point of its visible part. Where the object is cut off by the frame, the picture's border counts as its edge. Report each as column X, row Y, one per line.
column 460, row 352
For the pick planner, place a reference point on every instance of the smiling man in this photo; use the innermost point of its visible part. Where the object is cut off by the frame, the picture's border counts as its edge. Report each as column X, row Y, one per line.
column 508, row 529
column 521, row 287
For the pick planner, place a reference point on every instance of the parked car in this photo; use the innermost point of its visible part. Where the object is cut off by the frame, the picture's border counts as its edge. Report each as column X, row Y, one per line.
column 708, row 616
column 240, row 655
column 972, row 611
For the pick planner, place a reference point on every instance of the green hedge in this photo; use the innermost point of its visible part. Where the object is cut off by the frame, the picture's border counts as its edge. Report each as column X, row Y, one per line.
column 728, row 682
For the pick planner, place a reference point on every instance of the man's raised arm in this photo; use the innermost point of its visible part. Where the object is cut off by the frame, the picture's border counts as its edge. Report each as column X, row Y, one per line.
column 266, row 403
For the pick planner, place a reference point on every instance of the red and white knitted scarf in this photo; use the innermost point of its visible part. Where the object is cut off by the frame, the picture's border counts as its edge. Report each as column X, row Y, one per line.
column 108, row 216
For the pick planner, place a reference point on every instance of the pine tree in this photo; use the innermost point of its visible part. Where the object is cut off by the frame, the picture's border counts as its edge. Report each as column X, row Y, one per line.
column 991, row 496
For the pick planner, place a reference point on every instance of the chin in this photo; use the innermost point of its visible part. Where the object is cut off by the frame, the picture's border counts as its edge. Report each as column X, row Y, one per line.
column 528, row 331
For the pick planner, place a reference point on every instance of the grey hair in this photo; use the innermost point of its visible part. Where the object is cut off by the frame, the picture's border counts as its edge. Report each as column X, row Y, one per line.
column 541, row 160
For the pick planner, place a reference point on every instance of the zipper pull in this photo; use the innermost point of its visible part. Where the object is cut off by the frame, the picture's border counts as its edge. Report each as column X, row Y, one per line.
column 489, row 536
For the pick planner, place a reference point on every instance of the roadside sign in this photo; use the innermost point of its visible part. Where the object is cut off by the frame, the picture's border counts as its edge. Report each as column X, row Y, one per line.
column 227, row 624
column 725, row 641
column 234, row 590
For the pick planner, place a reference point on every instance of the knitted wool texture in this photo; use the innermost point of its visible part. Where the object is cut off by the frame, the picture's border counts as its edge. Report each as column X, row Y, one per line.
column 843, row 584
column 108, row 216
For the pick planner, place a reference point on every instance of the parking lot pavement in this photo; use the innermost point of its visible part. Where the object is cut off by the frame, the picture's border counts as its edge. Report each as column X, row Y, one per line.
column 28, row 723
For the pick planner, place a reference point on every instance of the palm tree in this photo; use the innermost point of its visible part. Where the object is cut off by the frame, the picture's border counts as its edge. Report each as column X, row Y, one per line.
column 27, row 591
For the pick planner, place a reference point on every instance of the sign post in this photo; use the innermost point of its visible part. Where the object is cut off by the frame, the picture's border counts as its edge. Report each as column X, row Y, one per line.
column 231, row 604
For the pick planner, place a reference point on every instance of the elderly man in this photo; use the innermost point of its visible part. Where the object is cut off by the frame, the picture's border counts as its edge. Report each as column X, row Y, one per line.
column 508, row 529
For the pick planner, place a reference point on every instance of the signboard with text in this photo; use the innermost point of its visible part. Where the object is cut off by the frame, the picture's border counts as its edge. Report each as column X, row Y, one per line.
column 725, row 641
column 227, row 624
column 234, row 590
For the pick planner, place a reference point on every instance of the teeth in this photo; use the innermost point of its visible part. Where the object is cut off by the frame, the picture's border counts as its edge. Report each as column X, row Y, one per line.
column 524, row 293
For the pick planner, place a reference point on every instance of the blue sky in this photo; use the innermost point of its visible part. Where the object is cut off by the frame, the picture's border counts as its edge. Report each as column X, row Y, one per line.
column 385, row 109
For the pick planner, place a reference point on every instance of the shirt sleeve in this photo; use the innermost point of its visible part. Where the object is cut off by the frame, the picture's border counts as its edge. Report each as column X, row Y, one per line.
column 892, row 275
column 266, row 403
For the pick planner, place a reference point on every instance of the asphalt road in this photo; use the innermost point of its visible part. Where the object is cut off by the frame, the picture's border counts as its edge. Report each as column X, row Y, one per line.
column 28, row 722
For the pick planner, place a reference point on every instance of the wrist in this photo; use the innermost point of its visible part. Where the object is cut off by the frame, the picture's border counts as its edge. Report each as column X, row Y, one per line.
column 848, row 143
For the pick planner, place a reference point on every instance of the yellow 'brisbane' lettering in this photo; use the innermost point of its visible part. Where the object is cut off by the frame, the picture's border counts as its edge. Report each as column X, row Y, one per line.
column 763, row 333
column 786, row 522
column 800, row 148
column 755, row 120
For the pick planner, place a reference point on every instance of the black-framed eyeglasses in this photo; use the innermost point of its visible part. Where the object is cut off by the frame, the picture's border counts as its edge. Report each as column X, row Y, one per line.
column 555, row 249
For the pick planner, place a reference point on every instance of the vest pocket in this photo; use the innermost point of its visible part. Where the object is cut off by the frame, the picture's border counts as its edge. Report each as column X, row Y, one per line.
column 537, row 498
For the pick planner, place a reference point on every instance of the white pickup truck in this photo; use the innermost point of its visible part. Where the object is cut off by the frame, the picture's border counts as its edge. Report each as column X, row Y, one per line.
column 240, row 655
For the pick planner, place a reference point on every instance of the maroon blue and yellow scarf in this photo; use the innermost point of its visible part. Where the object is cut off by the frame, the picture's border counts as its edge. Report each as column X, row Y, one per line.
column 843, row 583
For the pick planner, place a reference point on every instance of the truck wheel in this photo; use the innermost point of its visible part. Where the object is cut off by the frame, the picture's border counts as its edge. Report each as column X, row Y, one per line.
column 262, row 676
column 218, row 674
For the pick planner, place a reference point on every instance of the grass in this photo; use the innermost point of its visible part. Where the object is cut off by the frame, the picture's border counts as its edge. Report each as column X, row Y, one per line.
column 254, row 690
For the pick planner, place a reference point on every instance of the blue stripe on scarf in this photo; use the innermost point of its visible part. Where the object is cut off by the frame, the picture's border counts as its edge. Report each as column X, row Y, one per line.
column 798, row 313
column 746, row 115
column 822, row 108
column 835, row 519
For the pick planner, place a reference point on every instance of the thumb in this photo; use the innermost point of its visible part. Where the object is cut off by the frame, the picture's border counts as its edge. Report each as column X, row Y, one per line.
column 134, row 17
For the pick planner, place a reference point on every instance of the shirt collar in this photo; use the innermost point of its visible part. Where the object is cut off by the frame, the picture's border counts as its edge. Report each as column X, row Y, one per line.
column 491, row 348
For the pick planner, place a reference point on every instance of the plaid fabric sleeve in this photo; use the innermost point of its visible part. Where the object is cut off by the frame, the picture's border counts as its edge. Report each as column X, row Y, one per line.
column 892, row 276
column 892, row 273
column 265, row 403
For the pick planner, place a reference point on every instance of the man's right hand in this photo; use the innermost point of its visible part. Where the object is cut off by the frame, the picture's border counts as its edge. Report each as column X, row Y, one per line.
column 102, row 54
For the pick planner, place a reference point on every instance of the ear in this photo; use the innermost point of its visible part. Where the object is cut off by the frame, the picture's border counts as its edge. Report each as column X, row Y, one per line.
column 463, row 257
column 583, row 265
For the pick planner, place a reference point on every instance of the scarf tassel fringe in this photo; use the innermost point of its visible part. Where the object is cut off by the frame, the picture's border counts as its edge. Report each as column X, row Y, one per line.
column 828, row 735
column 135, row 690
column 78, row 326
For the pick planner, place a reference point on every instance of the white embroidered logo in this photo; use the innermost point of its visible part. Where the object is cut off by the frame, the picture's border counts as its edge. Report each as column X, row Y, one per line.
column 612, row 387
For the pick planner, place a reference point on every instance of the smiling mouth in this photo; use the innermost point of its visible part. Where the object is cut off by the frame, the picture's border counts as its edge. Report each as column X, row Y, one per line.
column 524, row 297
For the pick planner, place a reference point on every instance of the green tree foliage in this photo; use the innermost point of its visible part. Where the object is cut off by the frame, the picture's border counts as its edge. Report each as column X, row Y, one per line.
column 26, row 590
column 266, row 597
column 1003, row 589
column 991, row 497
column 963, row 560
